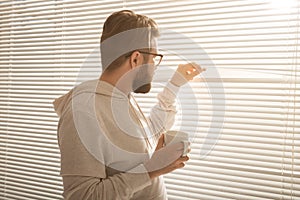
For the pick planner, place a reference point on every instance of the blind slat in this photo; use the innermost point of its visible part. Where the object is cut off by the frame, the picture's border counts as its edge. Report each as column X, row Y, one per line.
column 246, row 103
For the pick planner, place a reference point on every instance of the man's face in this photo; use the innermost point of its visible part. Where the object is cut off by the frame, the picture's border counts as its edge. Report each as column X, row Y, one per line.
column 143, row 79
column 144, row 76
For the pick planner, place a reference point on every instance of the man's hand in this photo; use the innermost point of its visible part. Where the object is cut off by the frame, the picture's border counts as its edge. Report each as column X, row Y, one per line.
column 185, row 73
column 165, row 159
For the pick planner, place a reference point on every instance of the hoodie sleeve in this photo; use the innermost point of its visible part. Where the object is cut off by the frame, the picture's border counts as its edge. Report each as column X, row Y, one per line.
column 118, row 186
column 162, row 115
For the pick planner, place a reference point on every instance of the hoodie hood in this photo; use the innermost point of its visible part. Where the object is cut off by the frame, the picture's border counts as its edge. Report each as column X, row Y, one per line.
column 93, row 86
column 61, row 103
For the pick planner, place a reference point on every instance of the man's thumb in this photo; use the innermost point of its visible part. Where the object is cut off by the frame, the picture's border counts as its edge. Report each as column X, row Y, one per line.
column 160, row 142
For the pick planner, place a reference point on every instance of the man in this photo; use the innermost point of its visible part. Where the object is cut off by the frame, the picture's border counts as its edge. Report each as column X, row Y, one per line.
column 109, row 149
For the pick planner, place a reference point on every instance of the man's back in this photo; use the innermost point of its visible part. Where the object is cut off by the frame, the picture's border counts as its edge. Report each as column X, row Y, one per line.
column 90, row 155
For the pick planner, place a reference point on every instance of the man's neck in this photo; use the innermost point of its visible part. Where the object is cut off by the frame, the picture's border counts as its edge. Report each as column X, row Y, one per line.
column 118, row 78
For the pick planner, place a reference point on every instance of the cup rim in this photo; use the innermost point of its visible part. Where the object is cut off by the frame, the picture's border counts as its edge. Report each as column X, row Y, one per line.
column 174, row 132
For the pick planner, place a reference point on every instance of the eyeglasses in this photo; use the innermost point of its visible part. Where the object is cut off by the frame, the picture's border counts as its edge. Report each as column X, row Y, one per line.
column 157, row 57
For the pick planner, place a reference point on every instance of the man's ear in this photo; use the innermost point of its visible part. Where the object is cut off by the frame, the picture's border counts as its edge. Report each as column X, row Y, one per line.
column 136, row 59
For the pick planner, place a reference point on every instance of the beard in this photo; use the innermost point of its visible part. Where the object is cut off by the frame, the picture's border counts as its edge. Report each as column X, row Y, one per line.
column 143, row 89
column 143, row 79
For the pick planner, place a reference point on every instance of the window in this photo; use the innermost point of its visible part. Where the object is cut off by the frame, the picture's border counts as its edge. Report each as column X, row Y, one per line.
column 242, row 114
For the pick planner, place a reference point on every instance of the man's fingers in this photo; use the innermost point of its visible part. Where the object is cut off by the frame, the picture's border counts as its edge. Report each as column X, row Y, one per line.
column 180, row 162
column 160, row 142
column 197, row 67
column 183, row 158
column 191, row 70
column 189, row 149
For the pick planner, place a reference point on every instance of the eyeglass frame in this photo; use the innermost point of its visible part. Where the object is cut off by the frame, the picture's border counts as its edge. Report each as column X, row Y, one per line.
column 154, row 54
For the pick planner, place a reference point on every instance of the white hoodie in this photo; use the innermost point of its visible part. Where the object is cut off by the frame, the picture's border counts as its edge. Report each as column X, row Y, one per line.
column 103, row 142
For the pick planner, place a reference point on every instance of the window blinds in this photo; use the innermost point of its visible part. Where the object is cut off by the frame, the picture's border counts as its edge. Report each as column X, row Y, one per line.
column 245, row 107
column 254, row 47
column 42, row 46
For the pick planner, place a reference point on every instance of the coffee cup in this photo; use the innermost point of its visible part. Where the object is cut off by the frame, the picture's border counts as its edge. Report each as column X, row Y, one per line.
column 172, row 137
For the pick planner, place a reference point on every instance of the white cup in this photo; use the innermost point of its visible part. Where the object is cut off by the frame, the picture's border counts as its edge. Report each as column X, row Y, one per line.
column 171, row 137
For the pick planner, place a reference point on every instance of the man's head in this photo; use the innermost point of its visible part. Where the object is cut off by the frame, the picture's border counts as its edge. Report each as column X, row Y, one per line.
column 129, row 37
column 125, row 30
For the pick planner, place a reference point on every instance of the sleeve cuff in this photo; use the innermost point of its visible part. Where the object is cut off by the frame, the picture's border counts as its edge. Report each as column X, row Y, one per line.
column 172, row 88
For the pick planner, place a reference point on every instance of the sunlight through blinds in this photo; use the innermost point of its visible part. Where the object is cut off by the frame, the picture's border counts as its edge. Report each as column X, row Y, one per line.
column 242, row 113
column 254, row 47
